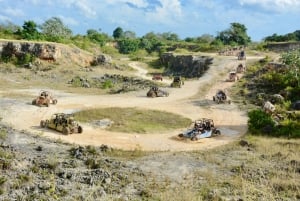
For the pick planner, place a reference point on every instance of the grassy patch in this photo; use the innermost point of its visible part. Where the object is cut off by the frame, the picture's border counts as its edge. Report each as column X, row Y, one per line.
column 133, row 120
column 3, row 133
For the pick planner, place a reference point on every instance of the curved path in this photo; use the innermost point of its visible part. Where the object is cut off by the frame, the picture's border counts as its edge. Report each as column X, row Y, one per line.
column 193, row 100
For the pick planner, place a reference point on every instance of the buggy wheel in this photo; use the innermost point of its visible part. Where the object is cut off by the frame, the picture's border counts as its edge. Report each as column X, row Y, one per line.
column 43, row 124
column 80, row 129
column 66, row 130
column 229, row 101
column 214, row 99
column 180, row 135
column 34, row 102
column 54, row 101
column 194, row 138
column 217, row 132
column 47, row 123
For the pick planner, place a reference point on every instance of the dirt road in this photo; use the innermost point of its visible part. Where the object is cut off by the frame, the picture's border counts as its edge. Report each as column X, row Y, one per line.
column 193, row 100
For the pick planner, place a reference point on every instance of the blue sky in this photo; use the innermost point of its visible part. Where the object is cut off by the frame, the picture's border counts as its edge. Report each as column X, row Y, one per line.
column 187, row 18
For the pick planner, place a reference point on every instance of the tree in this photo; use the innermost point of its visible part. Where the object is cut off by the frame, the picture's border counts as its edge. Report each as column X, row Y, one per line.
column 170, row 36
column 128, row 45
column 129, row 34
column 190, row 39
column 9, row 27
column 54, row 29
column 97, row 37
column 235, row 35
column 205, row 38
column 295, row 36
column 152, row 36
column 30, row 31
column 151, row 42
column 118, row 33
column 150, row 45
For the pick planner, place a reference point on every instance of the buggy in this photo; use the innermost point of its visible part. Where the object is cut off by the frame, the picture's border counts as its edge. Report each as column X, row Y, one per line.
column 221, row 97
column 62, row 122
column 232, row 77
column 240, row 68
column 241, row 55
column 44, row 98
column 156, row 92
column 177, row 82
column 157, row 77
column 202, row 128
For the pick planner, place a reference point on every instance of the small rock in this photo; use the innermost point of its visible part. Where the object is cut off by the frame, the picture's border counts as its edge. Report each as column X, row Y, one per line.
column 244, row 143
column 39, row 148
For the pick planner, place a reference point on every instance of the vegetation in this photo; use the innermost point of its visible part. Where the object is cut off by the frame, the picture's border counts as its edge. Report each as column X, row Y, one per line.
column 295, row 36
column 54, row 30
column 278, row 83
column 235, row 35
column 133, row 120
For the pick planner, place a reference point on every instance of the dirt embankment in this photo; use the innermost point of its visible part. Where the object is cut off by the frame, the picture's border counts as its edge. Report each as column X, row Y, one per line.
column 193, row 100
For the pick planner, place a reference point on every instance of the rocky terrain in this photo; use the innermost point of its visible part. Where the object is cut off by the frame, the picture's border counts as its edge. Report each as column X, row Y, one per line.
column 38, row 164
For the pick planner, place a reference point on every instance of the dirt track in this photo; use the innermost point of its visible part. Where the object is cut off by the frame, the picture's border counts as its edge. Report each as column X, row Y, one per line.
column 188, row 101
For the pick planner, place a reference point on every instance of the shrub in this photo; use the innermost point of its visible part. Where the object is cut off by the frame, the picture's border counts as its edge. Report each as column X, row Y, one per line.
column 260, row 122
column 107, row 84
column 289, row 128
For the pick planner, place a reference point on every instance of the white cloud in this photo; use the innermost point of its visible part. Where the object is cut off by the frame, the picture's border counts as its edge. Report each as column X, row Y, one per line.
column 170, row 12
column 137, row 3
column 275, row 5
column 86, row 10
column 15, row 12
column 4, row 18
column 69, row 20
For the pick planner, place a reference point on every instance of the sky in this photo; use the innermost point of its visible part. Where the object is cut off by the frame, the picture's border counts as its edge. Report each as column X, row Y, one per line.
column 186, row 18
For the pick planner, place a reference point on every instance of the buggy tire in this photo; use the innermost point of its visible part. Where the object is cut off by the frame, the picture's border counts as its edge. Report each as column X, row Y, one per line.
column 194, row 138
column 217, row 132
column 214, row 99
column 43, row 123
column 33, row 102
column 54, row 102
column 66, row 131
column 229, row 101
column 180, row 135
column 80, row 130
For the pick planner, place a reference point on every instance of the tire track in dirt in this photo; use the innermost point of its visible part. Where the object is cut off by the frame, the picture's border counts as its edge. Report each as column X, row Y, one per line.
column 188, row 101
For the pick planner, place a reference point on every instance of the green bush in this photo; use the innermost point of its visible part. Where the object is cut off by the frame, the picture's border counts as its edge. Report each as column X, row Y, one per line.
column 260, row 122
column 289, row 128
column 25, row 59
column 107, row 84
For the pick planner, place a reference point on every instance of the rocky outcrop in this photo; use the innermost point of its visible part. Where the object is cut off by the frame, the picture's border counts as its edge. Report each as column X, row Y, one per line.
column 51, row 52
column 189, row 66
column 283, row 47
column 102, row 59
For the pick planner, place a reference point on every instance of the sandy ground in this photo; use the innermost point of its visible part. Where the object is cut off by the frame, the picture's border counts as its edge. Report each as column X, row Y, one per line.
column 188, row 101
